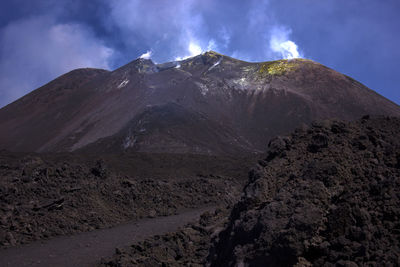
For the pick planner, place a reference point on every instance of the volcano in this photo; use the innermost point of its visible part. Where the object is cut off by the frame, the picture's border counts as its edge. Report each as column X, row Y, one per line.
column 208, row 104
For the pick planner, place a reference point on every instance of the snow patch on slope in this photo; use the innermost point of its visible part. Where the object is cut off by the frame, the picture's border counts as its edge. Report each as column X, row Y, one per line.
column 216, row 64
column 123, row 83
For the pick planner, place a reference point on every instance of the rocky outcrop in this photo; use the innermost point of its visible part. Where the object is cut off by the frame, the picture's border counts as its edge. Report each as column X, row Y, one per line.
column 186, row 247
column 48, row 195
column 328, row 195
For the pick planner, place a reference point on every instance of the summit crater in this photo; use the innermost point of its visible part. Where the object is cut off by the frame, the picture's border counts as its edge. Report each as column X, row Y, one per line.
column 249, row 102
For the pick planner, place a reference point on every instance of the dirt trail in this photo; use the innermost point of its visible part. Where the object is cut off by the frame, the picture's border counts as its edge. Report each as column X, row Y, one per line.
column 87, row 249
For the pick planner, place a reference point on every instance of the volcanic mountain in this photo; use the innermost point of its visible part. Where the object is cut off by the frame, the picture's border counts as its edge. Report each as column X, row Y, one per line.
column 207, row 104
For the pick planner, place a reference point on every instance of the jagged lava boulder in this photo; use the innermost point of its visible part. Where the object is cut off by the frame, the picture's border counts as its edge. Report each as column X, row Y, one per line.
column 328, row 195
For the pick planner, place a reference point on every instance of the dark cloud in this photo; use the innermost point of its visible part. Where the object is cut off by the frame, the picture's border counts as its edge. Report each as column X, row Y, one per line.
column 37, row 49
column 358, row 38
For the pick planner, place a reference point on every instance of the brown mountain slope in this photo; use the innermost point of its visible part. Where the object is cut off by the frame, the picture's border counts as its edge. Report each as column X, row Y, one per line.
column 238, row 105
column 31, row 121
column 171, row 127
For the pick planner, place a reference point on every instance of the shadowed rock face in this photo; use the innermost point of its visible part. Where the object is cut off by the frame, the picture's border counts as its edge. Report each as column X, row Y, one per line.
column 208, row 104
column 325, row 196
column 328, row 195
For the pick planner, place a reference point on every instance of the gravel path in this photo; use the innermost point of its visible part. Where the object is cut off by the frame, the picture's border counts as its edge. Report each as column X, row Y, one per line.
column 87, row 249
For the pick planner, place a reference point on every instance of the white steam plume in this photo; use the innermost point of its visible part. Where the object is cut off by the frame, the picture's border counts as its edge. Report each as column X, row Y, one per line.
column 281, row 45
column 194, row 49
column 146, row 55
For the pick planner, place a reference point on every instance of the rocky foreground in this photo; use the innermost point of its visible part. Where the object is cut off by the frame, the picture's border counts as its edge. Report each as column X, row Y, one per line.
column 328, row 195
column 48, row 195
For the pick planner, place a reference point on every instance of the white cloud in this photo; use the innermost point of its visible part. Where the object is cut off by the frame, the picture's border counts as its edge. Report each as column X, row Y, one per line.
column 34, row 51
column 225, row 36
column 281, row 45
column 212, row 45
column 146, row 55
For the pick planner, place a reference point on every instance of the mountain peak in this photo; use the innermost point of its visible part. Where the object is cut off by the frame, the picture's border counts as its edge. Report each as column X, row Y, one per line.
column 243, row 102
column 212, row 53
column 141, row 65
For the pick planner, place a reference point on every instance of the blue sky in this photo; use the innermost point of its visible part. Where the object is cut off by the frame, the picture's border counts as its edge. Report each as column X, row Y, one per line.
column 42, row 39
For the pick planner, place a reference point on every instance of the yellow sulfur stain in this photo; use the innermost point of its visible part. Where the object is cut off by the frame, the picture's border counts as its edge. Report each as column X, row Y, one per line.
column 279, row 67
column 213, row 54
